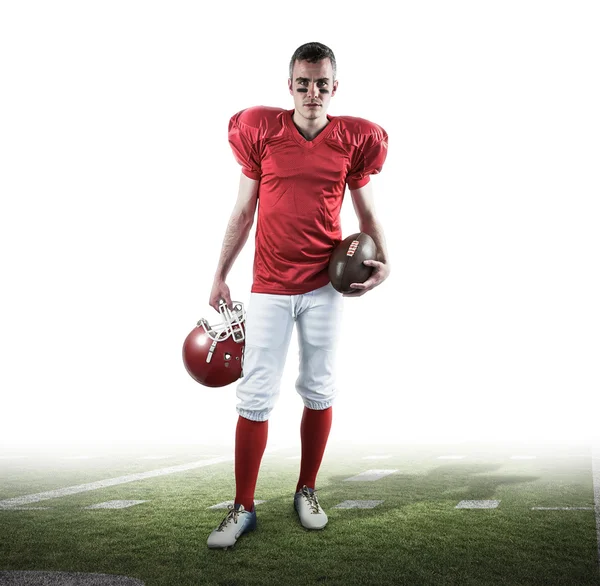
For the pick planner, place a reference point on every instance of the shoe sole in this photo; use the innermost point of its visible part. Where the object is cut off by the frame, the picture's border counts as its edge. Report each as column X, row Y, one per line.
column 314, row 528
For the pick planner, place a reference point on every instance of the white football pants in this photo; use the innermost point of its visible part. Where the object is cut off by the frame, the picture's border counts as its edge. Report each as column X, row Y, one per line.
column 269, row 323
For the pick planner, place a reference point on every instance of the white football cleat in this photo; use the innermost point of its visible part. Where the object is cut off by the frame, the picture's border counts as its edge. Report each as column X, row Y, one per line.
column 312, row 516
column 237, row 521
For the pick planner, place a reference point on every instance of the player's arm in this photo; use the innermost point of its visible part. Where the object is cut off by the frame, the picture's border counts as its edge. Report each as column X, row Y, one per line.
column 364, row 206
column 236, row 234
column 240, row 223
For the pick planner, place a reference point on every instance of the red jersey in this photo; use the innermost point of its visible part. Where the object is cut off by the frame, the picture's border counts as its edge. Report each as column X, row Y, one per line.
column 302, row 185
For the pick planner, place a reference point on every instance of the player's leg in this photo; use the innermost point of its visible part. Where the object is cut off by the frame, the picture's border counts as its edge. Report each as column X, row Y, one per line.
column 318, row 332
column 314, row 432
column 250, row 444
column 269, row 325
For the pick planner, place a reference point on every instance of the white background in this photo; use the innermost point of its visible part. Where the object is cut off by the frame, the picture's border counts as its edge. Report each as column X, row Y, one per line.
column 117, row 183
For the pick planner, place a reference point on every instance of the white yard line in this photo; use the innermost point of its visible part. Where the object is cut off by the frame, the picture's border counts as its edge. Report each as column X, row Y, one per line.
column 53, row 494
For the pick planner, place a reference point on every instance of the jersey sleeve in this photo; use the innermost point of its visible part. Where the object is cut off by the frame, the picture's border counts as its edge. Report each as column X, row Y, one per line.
column 369, row 159
column 243, row 140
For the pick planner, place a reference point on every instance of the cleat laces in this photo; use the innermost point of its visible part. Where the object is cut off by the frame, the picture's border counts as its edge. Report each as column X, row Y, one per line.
column 312, row 499
column 233, row 514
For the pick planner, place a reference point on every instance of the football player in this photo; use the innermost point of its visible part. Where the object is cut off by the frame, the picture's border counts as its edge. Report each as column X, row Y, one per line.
column 295, row 165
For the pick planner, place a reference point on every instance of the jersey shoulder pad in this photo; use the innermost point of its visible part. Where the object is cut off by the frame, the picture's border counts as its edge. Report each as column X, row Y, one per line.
column 363, row 127
column 265, row 119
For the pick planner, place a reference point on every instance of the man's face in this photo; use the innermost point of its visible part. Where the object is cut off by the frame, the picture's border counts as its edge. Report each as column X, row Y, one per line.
column 312, row 83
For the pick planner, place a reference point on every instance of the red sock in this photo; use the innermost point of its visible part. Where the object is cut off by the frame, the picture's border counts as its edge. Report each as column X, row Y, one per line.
column 314, row 431
column 250, row 443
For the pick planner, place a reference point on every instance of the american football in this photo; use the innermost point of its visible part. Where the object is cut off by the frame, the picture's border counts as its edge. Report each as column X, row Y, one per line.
column 346, row 262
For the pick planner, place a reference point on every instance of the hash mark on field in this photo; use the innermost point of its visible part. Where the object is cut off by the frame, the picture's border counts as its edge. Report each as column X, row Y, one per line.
column 357, row 505
column 562, row 508
column 115, row 505
column 370, row 475
column 477, row 505
column 225, row 504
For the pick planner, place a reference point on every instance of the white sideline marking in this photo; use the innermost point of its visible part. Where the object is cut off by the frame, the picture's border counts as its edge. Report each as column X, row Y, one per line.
column 596, row 481
column 53, row 494
column 225, row 504
column 562, row 508
column 477, row 505
column 377, row 457
column 115, row 505
column 450, row 457
column 369, row 475
column 357, row 505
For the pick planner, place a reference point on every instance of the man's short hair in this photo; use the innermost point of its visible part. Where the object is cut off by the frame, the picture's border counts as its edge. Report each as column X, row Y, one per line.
column 313, row 52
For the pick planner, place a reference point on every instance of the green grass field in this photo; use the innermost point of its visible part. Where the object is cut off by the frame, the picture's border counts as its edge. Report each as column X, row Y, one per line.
column 415, row 537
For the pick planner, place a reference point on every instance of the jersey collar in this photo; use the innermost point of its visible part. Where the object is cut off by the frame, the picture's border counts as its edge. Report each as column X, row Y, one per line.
column 300, row 139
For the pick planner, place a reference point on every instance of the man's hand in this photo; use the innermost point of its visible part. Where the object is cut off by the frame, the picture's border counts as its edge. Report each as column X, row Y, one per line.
column 381, row 272
column 220, row 290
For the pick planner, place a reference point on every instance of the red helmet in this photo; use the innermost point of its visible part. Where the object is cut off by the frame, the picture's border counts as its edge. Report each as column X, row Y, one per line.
column 215, row 358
